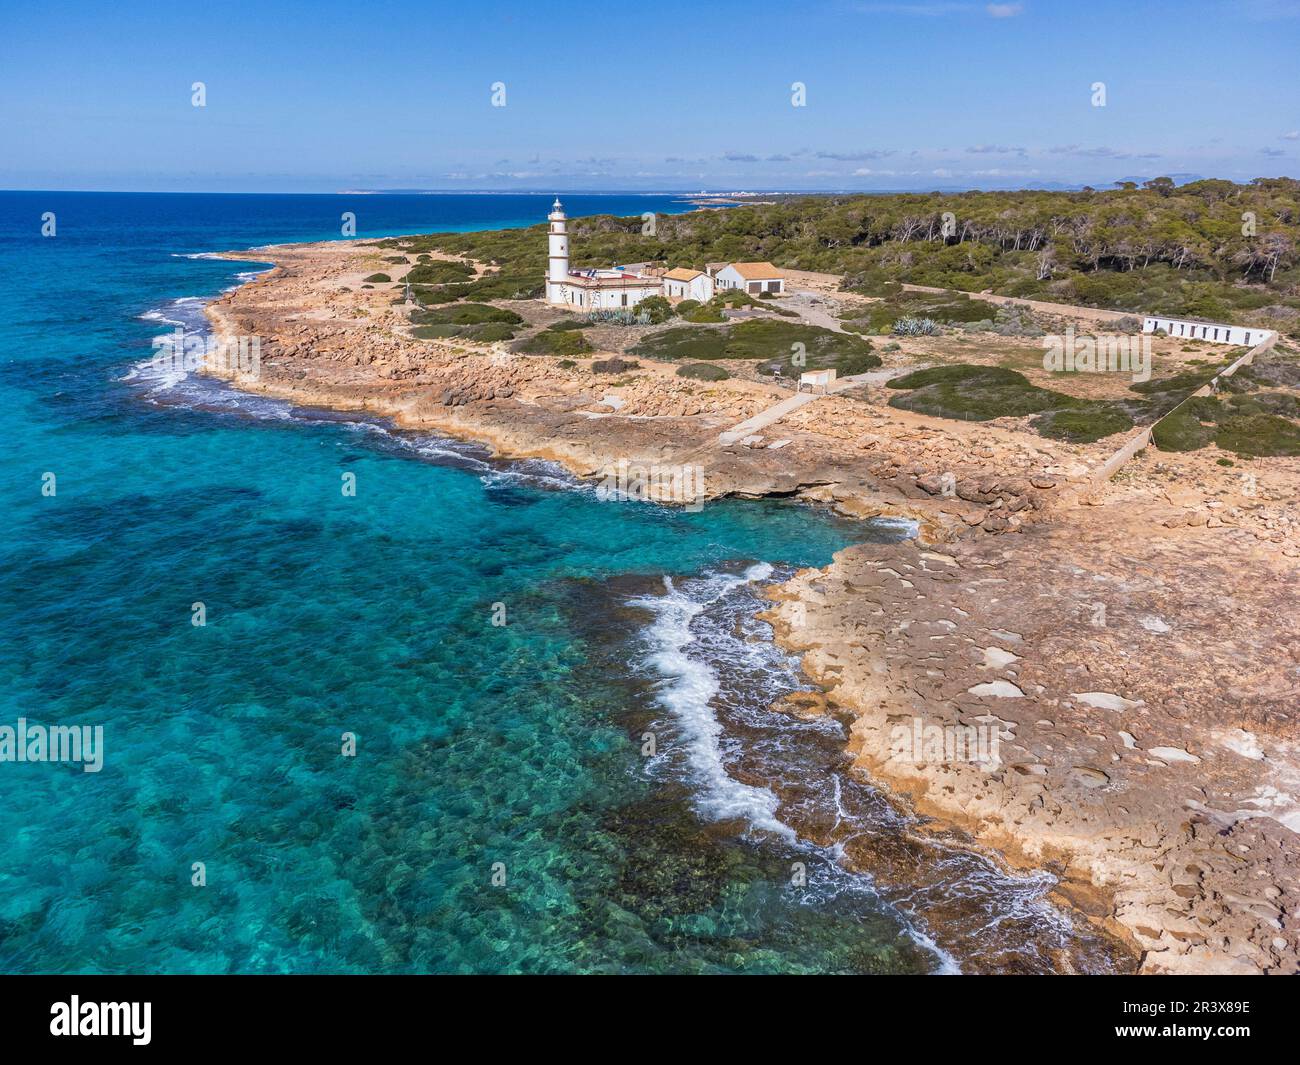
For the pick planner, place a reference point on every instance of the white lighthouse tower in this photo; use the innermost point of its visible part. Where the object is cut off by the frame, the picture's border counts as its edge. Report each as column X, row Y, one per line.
column 558, row 264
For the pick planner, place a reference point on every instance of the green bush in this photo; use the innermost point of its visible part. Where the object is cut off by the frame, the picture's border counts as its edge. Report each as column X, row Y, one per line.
column 975, row 393
column 467, row 321
column 734, row 298
column 614, row 365
column 1182, row 431
column 1083, row 425
column 440, row 273
column 702, row 314
column 569, row 323
column 764, row 338
column 505, row 286
column 427, row 297
column 1259, row 435
column 684, row 342
column 466, row 314
column 489, row 332
column 656, row 309
column 378, row 278
column 703, row 371
column 566, row 342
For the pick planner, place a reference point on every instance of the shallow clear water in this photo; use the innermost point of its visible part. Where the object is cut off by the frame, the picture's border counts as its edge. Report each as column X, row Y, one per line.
column 500, row 813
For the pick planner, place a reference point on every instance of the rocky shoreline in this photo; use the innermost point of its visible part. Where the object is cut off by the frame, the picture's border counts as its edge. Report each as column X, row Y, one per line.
column 1132, row 646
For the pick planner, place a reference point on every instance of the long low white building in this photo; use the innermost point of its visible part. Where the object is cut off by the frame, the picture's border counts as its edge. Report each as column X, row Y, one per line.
column 1196, row 329
column 594, row 290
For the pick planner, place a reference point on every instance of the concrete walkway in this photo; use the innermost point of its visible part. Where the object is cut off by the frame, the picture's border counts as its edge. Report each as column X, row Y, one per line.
column 777, row 411
column 811, row 313
column 764, row 418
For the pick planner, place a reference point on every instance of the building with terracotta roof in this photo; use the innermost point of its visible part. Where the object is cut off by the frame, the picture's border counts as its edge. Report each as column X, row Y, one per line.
column 683, row 283
column 754, row 278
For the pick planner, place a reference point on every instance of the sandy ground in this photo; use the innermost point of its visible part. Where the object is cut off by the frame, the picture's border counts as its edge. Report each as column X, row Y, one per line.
column 1134, row 649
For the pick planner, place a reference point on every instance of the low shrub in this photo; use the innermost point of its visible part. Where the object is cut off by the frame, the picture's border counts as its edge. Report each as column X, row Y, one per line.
column 654, row 310
column 975, row 393
column 734, row 298
column 439, row 273
column 565, row 342
column 703, row 371
column 466, row 314
column 504, row 286
column 703, row 314
column 764, row 338
column 1083, row 425
column 427, row 297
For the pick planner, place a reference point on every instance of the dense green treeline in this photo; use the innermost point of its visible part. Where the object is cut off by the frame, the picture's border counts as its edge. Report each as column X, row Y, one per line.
column 1211, row 249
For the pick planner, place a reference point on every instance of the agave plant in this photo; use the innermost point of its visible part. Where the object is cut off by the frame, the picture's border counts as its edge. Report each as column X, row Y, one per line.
column 619, row 317
column 915, row 327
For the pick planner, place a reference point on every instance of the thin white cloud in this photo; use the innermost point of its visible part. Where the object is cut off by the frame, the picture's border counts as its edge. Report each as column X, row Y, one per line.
column 1005, row 10
column 1101, row 152
column 856, row 157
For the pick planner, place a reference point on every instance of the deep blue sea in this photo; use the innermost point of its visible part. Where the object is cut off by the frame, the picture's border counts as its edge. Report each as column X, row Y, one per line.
column 598, row 785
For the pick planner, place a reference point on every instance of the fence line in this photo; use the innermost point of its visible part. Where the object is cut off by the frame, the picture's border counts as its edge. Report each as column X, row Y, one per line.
column 1144, row 436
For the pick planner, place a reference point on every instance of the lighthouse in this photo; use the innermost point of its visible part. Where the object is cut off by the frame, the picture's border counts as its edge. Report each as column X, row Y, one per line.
column 558, row 265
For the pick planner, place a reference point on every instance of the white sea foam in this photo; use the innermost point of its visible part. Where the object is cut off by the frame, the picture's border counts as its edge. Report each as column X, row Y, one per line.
column 706, row 648
column 686, row 691
column 908, row 526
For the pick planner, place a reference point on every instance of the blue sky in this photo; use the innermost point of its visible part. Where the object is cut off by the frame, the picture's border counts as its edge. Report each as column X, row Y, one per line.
column 638, row 94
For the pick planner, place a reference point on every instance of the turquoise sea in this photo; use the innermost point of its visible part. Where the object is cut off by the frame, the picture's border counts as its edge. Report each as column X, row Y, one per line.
column 598, row 785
